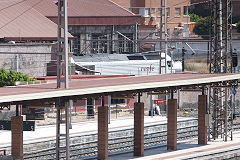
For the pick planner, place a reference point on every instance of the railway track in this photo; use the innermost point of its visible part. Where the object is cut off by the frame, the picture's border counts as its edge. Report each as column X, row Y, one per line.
column 117, row 144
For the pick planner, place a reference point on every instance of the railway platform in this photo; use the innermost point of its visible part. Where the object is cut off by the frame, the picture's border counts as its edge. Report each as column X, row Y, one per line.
column 188, row 150
column 43, row 133
column 40, row 94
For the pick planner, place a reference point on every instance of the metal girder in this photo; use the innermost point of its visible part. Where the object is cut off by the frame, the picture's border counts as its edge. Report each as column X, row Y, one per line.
column 62, row 148
column 220, row 98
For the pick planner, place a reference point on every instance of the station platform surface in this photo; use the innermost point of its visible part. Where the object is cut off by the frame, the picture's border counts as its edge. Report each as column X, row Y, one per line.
column 189, row 150
column 43, row 133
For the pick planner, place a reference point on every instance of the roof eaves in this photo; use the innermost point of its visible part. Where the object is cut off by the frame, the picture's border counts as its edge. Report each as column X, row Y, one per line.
column 33, row 38
column 136, row 16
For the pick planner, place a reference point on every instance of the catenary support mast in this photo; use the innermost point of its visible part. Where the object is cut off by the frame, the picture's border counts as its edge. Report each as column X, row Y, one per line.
column 220, row 62
column 62, row 44
column 62, row 68
column 163, row 30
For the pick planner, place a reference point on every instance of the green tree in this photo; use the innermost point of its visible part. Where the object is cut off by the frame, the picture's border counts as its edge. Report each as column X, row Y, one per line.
column 8, row 78
column 194, row 17
column 202, row 27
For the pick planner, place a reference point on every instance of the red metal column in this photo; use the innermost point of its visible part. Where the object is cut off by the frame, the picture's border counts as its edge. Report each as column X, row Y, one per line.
column 172, row 125
column 17, row 137
column 103, row 132
column 202, row 127
column 138, row 129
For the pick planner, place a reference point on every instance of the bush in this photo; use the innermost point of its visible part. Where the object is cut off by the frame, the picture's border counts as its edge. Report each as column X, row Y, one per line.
column 8, row 78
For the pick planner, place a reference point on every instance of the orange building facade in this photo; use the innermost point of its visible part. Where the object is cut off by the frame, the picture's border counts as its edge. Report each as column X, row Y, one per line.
column 177, row 14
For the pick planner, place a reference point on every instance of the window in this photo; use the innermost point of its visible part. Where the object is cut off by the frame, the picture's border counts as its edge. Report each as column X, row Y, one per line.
column 168, row 12
column 185, row 10
column 76, row 45
column 142, row 12
column 137, row 11
column 177, row 12
column 124, row 45
column 99, row 43
column 147, row 12
column 159, row 12
column 153, row 12
column 118, row 101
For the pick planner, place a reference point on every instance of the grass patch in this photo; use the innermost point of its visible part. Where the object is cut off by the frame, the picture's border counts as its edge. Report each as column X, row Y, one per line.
column 196, row 65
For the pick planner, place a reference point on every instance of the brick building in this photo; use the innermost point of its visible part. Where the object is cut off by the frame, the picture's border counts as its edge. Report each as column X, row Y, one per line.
column 109, row 26
column 150, row 11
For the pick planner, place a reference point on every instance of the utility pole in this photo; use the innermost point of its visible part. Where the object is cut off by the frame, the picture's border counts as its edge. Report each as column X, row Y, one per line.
column 160, row 36
column 163, row 5
column 17, row 62
column 183, row 58
column 163, row 56
column 136, row 37
column 166, row 34
column 62, row 47
column 171, row 52
column 62, row 67
column 234, row 60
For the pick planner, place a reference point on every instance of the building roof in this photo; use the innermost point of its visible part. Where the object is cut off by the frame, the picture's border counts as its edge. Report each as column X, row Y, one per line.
column 92, row 8
column 112, row 85
column 19, row 21
column 82, row 8
column 124, row 3
column 88, row 12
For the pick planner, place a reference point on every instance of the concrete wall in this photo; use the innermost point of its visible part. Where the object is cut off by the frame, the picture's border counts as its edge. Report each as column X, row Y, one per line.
column 32, row 64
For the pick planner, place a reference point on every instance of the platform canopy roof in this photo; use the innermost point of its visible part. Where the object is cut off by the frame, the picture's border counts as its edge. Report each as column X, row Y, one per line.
column 109, row 86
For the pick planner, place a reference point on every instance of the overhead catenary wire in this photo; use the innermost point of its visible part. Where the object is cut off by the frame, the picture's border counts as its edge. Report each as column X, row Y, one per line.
column 41, row 1
column 31, row 7
column 14, row 4
column 178, row 4
column 85, row 2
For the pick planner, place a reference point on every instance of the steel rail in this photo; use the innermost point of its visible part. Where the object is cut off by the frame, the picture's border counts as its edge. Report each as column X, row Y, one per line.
column 115, row 147
column 123, row 144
